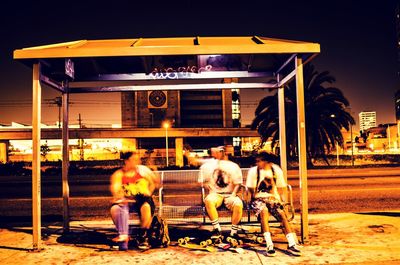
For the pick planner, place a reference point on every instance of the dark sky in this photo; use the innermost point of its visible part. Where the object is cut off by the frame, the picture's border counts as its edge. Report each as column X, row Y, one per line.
column 357, row 38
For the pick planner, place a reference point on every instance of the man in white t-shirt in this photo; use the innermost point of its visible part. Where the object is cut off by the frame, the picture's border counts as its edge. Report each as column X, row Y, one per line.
column 222, row 178
column 268, row 193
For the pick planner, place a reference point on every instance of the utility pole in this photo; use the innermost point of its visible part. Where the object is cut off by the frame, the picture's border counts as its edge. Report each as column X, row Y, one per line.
column 80, row 141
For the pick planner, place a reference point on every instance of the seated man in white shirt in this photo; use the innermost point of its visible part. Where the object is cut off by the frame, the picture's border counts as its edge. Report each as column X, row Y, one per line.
column 268, row 192
column 223, row 179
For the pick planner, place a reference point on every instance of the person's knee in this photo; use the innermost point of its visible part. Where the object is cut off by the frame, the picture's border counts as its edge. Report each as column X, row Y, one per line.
column 209, row 202
column 115, row 209
column 281, row 213
column 145, row 207
column 238, row 206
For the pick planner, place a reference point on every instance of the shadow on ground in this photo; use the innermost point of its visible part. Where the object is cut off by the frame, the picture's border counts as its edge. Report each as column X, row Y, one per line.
column 390, row 214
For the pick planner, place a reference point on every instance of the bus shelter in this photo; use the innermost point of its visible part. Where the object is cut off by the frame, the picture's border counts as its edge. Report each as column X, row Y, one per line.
column 152, row 64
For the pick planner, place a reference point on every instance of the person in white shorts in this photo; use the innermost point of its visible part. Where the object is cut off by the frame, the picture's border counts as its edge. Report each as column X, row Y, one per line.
column 222, row 178
column 268, row 195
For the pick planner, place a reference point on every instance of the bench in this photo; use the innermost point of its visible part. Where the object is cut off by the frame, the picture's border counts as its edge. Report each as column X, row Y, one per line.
column 190, row 207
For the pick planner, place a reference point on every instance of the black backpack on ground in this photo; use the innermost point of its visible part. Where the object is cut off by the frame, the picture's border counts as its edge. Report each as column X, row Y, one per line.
column 158, row 233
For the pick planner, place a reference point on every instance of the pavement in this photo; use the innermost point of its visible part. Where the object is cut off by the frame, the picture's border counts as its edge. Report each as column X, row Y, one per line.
column 340, row 238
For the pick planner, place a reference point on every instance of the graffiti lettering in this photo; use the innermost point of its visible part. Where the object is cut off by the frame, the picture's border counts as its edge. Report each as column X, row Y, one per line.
column 180, row 72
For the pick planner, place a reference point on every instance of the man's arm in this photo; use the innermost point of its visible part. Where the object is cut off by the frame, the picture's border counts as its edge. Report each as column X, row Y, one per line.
column 115, row 185
column 252, row 193
column 235, row 190
column 151, row 179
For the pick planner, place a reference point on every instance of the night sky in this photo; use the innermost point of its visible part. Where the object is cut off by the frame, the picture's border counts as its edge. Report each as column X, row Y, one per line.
column 357, row 38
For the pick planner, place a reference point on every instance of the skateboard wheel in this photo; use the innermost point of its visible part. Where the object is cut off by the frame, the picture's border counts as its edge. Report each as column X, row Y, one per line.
column 203, row 243
column 209, row 241
column 260, row 239
column 187, row 239
column 229, row 239
column 182, row 241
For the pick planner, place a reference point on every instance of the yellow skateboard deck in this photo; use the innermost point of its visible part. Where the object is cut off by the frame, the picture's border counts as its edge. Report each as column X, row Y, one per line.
column 204, row 245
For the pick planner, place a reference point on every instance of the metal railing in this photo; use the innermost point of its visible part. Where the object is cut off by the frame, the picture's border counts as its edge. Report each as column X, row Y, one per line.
column 191, row 207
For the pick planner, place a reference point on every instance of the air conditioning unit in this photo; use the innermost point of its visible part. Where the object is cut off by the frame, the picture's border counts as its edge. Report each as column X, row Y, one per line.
column 157, row 99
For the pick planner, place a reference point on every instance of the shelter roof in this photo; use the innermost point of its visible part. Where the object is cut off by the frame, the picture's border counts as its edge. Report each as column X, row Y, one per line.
column 131, row 64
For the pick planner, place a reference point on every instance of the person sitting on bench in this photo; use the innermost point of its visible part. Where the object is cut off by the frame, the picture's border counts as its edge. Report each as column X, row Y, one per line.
column 132, row 187
column 223, row 179
column 268, row 194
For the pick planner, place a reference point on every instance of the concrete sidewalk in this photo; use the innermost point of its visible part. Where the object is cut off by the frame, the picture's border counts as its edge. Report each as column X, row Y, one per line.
column 344, row 238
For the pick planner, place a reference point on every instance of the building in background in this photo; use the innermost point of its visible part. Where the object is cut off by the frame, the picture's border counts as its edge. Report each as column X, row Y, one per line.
column 397, row 105
column 367, row 119
column 183, row 109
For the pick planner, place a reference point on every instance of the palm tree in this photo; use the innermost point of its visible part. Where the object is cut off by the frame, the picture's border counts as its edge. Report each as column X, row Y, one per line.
column 326, row 115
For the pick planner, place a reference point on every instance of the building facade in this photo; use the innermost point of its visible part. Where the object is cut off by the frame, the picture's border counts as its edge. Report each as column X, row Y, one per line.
column 397, row 105
column 367, row 119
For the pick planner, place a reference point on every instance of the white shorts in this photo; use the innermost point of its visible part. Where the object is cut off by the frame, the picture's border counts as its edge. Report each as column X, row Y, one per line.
column 226, row 199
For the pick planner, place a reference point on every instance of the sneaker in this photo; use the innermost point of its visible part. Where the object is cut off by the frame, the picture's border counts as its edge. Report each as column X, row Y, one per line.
column 270, row 251
column 123, row 246
column 216, row 234
column 144, row 244
column 294, row 250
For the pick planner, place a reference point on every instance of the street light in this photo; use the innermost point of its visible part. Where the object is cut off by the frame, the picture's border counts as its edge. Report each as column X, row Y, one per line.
column 166, row 126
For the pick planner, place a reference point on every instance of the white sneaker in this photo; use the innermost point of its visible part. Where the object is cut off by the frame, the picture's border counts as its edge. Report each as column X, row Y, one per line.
column 270, row 251
column 294, row 250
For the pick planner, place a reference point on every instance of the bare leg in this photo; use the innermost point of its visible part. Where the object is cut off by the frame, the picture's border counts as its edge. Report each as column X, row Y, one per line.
column 211, row 208
column 285, row 223
column 237, row 212
column 145, row 216
column 264, row 216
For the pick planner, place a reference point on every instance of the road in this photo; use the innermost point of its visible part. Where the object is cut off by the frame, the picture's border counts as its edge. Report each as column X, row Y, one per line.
column 359, row 190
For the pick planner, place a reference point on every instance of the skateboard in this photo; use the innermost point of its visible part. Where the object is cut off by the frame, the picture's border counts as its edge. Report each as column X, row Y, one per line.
column 253, row 237
column 232, row 244
column 205, row 245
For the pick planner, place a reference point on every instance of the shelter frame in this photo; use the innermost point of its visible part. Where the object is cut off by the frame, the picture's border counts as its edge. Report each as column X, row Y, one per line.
column 296, row 55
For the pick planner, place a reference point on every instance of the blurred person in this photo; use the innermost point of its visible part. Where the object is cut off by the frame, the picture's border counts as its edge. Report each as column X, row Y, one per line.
column 132, row 187
column 268, row 191
column 223, row 179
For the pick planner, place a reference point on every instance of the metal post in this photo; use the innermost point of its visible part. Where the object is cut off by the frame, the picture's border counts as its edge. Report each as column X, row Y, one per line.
column 282, row 129
column 36, row 178
column 166, row 126
column 302, row 152
column 65, row 161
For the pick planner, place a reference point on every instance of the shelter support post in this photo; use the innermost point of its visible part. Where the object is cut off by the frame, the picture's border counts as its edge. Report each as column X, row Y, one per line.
column 36, row 182
column 65, row 161
column 302, row 150
column 282, row 130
